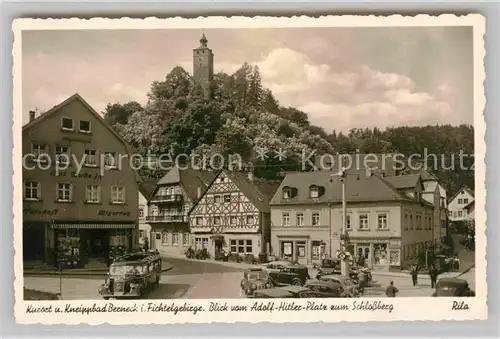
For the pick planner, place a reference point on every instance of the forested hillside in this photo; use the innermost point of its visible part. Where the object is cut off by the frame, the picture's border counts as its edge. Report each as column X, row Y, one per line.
column 242, row 116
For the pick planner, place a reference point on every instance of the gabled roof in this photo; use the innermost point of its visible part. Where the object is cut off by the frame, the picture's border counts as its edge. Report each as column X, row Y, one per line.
column 75, row 97
column 359, row 188
column 465, row 189
column 404, row 181
column 147, row 186
column 190, row 179
column 258, row 191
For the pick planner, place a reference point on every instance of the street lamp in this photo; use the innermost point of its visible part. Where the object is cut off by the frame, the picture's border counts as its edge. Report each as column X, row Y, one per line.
column 344, row 265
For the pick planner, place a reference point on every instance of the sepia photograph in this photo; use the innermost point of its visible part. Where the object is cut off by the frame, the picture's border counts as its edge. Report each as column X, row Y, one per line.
column 201, row 161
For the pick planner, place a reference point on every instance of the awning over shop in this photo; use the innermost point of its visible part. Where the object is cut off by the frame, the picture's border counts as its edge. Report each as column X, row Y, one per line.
column 93, row 226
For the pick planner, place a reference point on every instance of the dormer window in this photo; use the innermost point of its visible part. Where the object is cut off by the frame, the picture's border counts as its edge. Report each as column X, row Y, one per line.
column 287, row 192
column 313, row 192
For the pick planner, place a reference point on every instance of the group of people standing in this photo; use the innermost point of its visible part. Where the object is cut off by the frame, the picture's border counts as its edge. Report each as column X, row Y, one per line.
column 433, row 274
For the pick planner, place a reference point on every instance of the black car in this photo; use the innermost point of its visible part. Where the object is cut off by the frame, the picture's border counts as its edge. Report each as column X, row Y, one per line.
column 328, row 267
column 325, row 289
column 254, row 279
column 453, row 287
column 285, row 272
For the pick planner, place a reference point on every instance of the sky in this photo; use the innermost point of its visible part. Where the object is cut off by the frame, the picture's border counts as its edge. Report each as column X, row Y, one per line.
column 342, row 78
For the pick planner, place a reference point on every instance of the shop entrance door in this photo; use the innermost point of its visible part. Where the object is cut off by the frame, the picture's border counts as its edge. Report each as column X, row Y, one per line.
column 97, row 245
column 363, row 251
column 33, row 242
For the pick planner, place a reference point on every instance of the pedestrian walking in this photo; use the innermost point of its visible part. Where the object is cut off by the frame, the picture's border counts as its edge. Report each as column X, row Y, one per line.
column 414, row 274
column 146, row 244
column 433, row 273
column 361, row 261
column 391, row 290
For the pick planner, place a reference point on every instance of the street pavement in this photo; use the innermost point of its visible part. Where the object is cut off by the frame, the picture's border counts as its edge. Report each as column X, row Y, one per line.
column 205, row 280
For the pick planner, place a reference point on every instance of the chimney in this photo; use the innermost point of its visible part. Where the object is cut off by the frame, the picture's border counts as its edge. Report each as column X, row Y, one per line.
column 250, row 175
column 32, row 115
column 198, row 192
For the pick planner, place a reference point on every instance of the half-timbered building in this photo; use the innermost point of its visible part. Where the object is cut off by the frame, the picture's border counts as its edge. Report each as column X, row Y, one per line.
column 233, row 214
column 169, row 206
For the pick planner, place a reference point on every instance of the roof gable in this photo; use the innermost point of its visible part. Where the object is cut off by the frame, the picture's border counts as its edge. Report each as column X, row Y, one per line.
column 76, row 97
column 359, row 188
column 405, row 181
column 464, row 189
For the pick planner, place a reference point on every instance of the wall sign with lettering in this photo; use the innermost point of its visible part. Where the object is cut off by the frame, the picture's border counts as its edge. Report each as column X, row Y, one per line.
column 105, row 213
column 49, row 212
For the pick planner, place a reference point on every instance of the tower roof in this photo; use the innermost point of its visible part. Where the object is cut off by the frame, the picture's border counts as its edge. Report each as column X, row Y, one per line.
column 203, row 40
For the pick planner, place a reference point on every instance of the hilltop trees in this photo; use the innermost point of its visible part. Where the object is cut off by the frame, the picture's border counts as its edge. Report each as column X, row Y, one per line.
column 243, row 116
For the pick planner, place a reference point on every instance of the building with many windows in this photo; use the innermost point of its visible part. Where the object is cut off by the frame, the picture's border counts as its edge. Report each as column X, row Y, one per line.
column 457, row 205
column 79, row 199
column 387, row 225
column 169, row 206
column 146, row 188
column 233, row 214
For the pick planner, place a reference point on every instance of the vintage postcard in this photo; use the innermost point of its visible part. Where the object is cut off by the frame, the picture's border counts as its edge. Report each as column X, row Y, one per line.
column 237, row 169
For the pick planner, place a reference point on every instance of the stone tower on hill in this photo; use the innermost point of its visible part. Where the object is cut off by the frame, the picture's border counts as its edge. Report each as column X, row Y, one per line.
column 203, row 66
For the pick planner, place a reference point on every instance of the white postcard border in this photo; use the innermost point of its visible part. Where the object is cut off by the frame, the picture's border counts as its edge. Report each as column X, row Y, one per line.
column 423, row 308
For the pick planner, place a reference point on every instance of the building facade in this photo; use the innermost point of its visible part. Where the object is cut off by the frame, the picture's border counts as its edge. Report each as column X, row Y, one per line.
column 169, row 206
column 457, row 205
column 233, row 215
column 146, row 188
column 79, row 200
column 306, row 219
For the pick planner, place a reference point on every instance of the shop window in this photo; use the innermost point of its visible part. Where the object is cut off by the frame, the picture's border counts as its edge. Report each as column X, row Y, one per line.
column 363, row 222
column 185, row 239
column 316, row 249
column 200, row 243
column 175, row 239
column 92, row 193
column 241, row 246
column 67, row 124
column 164, row 238
column 285, row 219
column 383, row 221
column 117, row 194
column 64, row 192
column 301, row 249
column 300, row 219
column 90, row 157
column 380, row 254
column 32, row 190
column 394, row 258
column 84, row 126
column 315, row 219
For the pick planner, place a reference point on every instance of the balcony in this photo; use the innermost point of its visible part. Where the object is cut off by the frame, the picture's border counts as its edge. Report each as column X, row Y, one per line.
column 166, row 218
column 165, row 199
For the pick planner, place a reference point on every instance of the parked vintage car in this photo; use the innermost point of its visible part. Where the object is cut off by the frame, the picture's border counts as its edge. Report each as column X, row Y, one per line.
column 254, row 279
column 453, row 287
column 285, row 272
column 328, row 266
column 132, row 275
column 288, row 291
column 351, row 289
column 325, row 289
